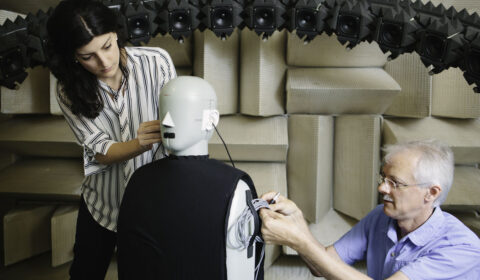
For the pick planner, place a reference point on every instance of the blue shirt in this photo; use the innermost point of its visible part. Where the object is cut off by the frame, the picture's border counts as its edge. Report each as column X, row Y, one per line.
column 441, row 248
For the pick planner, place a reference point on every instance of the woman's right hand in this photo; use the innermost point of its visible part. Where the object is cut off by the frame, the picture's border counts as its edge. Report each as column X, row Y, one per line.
column 148, row 133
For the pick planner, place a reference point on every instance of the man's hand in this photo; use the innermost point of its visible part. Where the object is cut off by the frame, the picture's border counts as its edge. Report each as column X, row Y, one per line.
column 282, row 204
column 283, row 223
column 148, row 133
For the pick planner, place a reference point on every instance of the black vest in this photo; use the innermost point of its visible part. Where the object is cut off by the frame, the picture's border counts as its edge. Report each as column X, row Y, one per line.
column 173, row 218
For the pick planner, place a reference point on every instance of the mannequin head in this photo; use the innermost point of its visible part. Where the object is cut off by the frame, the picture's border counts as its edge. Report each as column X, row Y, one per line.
column 188, row 114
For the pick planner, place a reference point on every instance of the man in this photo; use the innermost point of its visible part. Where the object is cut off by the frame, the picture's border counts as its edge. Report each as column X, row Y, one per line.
column 408, row 237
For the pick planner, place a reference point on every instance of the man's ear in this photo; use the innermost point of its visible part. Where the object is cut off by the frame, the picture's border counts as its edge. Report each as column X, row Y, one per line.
column 433, row 193
column 210, row 119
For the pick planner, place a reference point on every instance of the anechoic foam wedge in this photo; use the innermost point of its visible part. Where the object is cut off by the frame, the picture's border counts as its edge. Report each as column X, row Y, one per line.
column 251, row 139
column 471, row 6
column 40, row 178
column 294, row 268
column 461, row 135
column 288, row 268
column 32, row 96
column 184, row 71
column 28, row 6
column 453, row 97
column 262, row 74
column 216, row 61
column 326, row 51
column 465, row 189
column 328, row 230
column 10, row 15
column 356, row 164
column 310, row 164
column 39, row 136
column 26, row 232
column 470, row 218
column 181, row 53
column 6, row 159
column 414, row 99
column 339, row 90
column 63, row 227
column 267, row 176
column 38, row 268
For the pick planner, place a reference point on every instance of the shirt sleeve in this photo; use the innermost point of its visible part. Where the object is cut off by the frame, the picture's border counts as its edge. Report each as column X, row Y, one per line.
column 460, row 261
column 89, row 136
column 169, row 67
column 352, row 246
column 163, row 68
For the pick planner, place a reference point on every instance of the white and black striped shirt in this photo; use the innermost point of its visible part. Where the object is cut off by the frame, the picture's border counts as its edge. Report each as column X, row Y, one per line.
column 135, row 102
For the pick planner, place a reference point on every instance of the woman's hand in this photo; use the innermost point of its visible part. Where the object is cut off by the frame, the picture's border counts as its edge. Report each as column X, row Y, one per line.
column 148, row 133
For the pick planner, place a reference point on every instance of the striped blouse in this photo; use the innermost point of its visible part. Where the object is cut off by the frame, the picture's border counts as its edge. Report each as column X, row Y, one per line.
column 135, row 102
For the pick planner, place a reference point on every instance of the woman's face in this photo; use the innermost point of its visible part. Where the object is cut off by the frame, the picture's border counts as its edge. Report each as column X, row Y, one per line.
column 100, row 56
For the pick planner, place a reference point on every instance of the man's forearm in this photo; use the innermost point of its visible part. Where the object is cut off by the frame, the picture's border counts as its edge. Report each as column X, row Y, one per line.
column 322, row 262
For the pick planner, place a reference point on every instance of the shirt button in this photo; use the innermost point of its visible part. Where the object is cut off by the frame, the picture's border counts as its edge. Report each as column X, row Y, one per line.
column 392, row 254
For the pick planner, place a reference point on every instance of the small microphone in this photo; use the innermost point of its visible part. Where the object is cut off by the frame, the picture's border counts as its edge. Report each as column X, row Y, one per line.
column 169, row 135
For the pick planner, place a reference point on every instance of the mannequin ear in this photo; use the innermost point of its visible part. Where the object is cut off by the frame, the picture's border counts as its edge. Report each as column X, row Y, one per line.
column 214, row 117
column 210, row 119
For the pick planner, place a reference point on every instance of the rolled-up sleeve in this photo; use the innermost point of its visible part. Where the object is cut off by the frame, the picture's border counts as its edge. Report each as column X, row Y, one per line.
column 352, row 246
column 89, row 136
column 167, row 65
column 166, row 68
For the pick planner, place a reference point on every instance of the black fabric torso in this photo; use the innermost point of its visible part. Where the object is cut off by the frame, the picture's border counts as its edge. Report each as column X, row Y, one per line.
column 173, row 217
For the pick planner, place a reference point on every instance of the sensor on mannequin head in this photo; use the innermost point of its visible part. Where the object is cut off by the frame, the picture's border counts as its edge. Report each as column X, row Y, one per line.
column 169, row 135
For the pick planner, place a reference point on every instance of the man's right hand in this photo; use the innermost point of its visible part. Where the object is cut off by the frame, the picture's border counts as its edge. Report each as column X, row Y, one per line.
column 284, row 223
column 282, row 204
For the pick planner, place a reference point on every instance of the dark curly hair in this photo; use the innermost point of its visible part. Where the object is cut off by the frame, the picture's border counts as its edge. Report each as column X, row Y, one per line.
column 70, row 27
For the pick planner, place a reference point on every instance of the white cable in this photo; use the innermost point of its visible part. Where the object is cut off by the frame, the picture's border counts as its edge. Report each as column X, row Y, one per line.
column 243, row 238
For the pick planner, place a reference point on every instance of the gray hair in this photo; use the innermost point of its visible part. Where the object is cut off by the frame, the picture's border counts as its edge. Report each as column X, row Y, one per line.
column 435, row 165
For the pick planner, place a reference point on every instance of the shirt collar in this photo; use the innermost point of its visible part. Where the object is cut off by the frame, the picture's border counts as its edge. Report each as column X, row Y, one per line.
column 391, row 230
column 425, row 232
column 421, row 235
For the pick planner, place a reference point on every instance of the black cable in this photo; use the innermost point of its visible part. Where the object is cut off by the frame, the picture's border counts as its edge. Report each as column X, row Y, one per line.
column 156, row 150
column 225, row 145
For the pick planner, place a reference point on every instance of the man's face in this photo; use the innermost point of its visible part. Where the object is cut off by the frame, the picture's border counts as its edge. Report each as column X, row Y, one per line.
column 403, row 202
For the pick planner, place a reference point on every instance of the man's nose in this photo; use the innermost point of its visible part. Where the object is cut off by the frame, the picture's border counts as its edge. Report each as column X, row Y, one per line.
column 383, row 188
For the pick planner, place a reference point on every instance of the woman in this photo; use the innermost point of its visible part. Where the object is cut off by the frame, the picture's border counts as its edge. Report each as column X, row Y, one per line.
column 109, row 97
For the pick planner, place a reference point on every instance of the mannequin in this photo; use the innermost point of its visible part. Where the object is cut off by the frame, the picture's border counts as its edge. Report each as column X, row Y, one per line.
column 188, row 118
